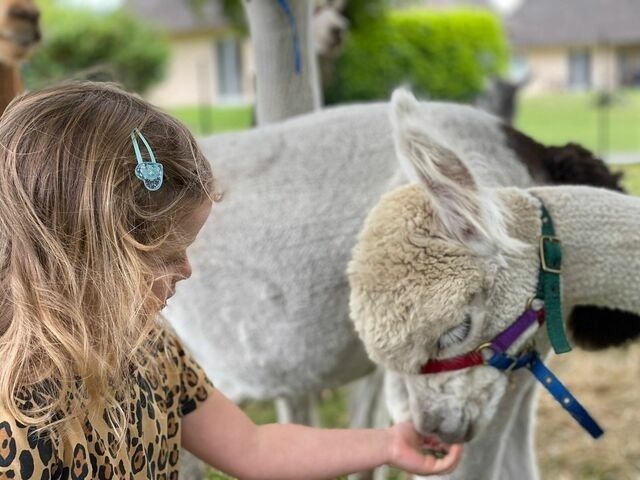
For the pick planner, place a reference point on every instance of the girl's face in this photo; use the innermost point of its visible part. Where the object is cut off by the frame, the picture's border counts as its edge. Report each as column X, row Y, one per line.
column 176, row 266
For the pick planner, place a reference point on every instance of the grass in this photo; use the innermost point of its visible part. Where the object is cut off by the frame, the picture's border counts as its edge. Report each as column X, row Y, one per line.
column 550, row 119
column 631, row 179
column 558, row 119
column 606, row 384
column 207, row 120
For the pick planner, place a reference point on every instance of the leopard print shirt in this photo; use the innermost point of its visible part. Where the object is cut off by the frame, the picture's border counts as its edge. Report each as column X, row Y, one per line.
column 152, row 446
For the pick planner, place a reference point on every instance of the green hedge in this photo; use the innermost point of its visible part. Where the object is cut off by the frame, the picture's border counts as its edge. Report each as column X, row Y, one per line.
column 439, row 54
column 82, row 43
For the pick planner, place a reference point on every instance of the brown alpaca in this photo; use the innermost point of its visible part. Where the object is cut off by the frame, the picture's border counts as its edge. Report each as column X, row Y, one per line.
column 19, row 35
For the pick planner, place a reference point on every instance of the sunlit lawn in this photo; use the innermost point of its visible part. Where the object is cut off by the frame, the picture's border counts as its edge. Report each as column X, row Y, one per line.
column 561, row 118
column 550, row 119
column 207, row 120
column 631, row 177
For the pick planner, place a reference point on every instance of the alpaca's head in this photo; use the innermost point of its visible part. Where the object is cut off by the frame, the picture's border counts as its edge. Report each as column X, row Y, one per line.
column 19, row 30
column 329, row 28
column 440, row 267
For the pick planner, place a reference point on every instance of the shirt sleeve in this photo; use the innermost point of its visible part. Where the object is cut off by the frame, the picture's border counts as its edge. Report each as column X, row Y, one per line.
column 195, row 386
column 24, row 454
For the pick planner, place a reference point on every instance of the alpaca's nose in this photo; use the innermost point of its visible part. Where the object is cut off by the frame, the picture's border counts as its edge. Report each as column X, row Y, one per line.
column 443, row 424
column 336, row 35
column 464, row 433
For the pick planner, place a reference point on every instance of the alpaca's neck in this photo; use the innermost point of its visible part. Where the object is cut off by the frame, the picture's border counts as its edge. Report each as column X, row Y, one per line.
column 504, row 449
column 10, row 84
column 600, row 235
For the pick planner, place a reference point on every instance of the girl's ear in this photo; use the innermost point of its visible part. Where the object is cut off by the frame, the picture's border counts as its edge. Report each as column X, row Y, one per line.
column 466, row 212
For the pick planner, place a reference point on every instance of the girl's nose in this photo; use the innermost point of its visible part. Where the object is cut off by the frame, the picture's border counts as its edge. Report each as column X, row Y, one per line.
column 186, row 270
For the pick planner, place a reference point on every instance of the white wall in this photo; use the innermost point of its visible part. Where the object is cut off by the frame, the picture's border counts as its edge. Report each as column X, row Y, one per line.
column 605, row 75
column 191, row 77
column 549, row 68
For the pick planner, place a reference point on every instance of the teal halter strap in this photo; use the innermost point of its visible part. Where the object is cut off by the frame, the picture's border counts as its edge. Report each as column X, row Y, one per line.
column 549, row 282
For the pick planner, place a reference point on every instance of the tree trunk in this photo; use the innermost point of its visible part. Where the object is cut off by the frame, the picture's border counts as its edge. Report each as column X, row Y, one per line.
column 281, row 92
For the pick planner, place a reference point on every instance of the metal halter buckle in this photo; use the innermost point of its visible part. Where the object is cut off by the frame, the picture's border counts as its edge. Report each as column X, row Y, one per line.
column 543, row 261
column 485, row 346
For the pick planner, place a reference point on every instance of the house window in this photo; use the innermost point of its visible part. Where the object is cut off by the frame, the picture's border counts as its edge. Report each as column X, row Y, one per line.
column 579, row 69
column 229, row 69
column 629, row 67
column 519, row 68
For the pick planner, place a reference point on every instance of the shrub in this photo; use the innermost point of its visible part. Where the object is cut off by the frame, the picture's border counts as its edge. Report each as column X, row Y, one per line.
column 440, row 54
column 88, row 44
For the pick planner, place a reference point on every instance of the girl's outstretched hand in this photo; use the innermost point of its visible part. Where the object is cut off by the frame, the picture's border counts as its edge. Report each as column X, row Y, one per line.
column 408, row 447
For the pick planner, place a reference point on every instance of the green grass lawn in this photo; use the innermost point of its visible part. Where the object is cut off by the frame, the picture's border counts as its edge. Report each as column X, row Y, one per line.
column 206, row 120
column 550, row 119
column 631, row 179
column 561, row 118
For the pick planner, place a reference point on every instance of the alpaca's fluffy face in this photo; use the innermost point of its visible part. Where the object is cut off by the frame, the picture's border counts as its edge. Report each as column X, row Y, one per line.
column 417, row 295
column 410, row 285
column 329, row 29
column 454, row 405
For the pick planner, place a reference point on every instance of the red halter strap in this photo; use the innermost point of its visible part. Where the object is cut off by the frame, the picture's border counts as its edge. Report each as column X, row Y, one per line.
column 467, row 360
column 498, row 345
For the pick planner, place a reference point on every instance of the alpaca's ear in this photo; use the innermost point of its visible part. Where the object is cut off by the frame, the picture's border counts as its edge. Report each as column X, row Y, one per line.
column 465, row 211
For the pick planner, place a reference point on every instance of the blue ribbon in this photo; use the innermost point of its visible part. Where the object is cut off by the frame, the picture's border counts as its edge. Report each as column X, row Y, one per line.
column 297, row 58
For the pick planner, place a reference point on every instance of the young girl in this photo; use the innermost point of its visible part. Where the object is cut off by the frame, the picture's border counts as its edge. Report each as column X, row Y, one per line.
column 100, row 196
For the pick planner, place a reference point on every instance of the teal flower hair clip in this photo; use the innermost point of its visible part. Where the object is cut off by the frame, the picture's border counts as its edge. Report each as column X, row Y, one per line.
column 150, row 172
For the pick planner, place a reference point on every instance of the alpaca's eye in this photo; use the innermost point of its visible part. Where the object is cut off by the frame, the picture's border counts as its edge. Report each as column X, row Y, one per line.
column 455, row 335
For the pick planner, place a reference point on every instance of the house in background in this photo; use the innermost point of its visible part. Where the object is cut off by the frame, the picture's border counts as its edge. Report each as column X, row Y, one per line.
column 566, row 45
column 209, row 64
column 577, row 44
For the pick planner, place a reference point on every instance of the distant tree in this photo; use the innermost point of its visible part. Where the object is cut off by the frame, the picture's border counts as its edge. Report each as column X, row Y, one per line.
column 233, row 10
column 361, row 13
column 439, row 54
column 82, row 43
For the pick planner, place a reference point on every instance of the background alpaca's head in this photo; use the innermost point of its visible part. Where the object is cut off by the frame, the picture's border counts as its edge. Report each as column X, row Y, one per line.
column 329, row 28
column 433, row 276
column 19, row 30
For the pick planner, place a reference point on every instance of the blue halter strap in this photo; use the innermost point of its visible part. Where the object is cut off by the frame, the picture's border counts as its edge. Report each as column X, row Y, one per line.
column 297, row 57
column 536, row 366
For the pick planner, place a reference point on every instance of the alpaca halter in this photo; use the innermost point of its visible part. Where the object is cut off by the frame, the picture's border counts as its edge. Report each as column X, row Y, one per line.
column 297, row 57
column 495, row 353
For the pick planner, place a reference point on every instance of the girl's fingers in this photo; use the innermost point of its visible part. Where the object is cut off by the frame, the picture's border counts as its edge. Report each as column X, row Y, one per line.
column 432, row 442
column 447, row 463
column 424, row 454
column 427, row 464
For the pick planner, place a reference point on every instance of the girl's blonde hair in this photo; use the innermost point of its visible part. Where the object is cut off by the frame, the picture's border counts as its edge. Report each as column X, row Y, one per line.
column 78, row 237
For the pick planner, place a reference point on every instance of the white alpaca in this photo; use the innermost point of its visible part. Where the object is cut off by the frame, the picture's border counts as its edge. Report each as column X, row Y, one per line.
column 269, row 266
column 446, row 265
